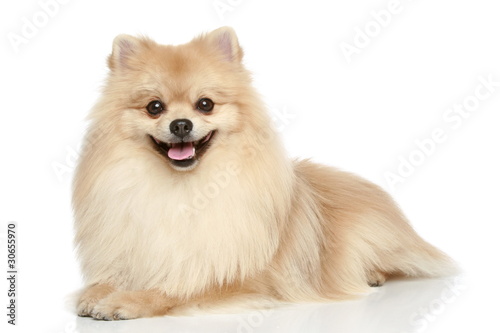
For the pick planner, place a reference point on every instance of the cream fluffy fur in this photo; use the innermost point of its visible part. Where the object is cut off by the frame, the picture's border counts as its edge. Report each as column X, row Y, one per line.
column 244, row 222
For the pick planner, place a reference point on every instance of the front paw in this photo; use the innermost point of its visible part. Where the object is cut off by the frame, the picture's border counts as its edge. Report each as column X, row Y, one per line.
column 90, row 297
column 121, row 305
column 114, row 307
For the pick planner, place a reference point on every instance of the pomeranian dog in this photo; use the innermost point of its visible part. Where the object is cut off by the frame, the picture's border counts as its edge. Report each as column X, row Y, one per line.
column 184, row 197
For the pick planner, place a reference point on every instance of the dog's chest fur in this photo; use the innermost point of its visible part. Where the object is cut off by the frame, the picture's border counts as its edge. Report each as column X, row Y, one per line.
column 179, row 234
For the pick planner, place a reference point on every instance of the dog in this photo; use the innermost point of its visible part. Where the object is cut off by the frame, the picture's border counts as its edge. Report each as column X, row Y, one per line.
column 184, row 197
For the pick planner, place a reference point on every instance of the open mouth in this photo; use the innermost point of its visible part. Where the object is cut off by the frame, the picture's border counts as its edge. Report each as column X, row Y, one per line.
column 183, row 154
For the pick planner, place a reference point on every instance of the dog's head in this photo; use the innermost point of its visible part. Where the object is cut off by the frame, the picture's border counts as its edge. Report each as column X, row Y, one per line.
column 182, row 100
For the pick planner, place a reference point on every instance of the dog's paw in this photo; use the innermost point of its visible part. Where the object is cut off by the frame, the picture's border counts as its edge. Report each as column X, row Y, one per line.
column 116, row 307
column 90, row 297
column 376, row 279
column 85, row 307
column 122, row 305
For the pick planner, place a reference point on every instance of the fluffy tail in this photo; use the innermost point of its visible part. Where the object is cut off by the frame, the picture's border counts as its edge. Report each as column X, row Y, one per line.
column 422, row 260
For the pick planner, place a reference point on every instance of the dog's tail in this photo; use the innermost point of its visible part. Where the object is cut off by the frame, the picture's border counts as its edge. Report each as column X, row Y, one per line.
column 424, row 260
column 421, row 259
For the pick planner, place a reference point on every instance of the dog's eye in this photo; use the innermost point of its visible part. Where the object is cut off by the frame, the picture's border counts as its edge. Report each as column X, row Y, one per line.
column 205, row 105
column 155, row 107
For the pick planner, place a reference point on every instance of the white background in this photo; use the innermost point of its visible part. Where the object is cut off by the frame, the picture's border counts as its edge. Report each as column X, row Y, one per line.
column 362, row 116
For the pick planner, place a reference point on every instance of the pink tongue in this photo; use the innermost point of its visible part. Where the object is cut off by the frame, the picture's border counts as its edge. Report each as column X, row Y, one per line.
column 181, row 151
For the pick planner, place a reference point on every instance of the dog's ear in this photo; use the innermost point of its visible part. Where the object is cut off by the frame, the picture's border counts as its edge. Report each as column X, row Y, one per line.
column 224, row 39
column 124, row 49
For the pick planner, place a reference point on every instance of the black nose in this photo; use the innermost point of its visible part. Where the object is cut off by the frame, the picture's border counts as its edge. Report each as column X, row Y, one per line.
column 181, row 127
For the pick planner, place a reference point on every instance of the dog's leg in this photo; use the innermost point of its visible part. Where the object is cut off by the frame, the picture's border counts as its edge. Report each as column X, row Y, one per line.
column 91, row 296
column 133, row 304
column 124, row 304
